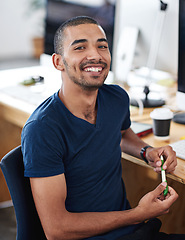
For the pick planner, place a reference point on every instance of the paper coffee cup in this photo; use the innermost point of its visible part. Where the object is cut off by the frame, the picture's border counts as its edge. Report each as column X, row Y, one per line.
column 161, row 122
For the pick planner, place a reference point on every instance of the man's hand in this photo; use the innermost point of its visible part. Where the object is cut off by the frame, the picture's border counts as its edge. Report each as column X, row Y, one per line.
column 132, row 144
column 154, row 204
column 153, row 157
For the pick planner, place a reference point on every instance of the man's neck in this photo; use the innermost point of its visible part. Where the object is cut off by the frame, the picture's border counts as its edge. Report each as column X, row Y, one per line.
column 81, row 103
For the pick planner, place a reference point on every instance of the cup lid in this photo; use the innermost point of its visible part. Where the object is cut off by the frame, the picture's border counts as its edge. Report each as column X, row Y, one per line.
column 161, row 113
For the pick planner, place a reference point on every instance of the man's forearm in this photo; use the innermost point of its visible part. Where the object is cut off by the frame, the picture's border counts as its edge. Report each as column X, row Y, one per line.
column 131, row 143
column 83, row 225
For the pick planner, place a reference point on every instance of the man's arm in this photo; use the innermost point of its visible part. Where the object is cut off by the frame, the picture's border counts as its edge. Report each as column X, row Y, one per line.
column 132, row 145
column 50, row 194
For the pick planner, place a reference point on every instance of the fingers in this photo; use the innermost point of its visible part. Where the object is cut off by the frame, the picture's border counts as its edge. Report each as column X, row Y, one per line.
column 171, row 196
column 160, row 188
column 169, row 156
column 155, row 204
column 171, row 160
column 172, row 193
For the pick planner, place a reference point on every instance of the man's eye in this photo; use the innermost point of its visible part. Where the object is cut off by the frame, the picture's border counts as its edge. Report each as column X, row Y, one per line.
column 103, row 47
column 80, row 48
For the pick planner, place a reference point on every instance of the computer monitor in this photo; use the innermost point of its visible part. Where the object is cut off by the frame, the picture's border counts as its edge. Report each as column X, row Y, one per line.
column 145, row 17
column 142, row 14
column 58, row 11
column 180, row 118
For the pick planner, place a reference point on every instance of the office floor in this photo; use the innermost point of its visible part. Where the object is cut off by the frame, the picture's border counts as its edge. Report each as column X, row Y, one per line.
column 7, row 215
column 7, row 223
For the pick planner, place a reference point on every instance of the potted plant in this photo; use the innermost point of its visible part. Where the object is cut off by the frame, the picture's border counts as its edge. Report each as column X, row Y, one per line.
column 37, row 8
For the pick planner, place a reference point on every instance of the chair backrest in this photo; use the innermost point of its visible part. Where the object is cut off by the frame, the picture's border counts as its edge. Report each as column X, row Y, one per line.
column 28, row 223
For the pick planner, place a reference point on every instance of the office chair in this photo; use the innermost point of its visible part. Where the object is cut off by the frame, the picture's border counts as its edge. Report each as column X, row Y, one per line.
column 28, row 223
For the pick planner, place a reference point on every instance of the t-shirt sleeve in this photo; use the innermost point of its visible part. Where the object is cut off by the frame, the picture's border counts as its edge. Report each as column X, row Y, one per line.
column 125, row 108
column 42, row 150
column 126, row 121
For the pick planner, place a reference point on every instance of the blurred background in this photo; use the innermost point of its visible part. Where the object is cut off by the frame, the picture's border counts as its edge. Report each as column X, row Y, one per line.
column 22, row 32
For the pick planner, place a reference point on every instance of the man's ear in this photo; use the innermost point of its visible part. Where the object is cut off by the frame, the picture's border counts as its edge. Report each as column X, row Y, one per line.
column 57, row 61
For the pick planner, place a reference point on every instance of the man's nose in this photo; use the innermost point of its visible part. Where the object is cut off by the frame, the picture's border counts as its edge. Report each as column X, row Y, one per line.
column 93, row 54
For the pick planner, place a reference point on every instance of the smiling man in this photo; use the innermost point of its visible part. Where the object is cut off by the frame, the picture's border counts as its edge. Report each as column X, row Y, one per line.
column 86, row 60
column 72, row 147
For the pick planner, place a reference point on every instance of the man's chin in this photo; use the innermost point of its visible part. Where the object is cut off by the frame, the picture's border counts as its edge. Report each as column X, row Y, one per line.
column 91, row 84
column 92, row 87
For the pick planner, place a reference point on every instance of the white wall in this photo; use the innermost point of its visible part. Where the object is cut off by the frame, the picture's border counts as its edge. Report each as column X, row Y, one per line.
column 18, row 26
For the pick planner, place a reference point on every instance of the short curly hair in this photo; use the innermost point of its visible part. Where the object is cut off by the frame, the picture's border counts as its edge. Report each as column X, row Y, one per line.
column 59, row 35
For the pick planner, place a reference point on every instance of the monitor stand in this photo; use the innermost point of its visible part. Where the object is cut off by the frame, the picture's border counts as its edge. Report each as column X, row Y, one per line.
column 148, row 103
column 179, row 118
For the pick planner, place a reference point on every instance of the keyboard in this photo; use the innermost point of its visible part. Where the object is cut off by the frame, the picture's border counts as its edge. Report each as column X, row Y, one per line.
column 179, row 148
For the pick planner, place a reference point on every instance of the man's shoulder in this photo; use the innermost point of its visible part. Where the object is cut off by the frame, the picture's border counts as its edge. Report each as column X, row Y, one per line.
column 46, row 108
column 113, row 90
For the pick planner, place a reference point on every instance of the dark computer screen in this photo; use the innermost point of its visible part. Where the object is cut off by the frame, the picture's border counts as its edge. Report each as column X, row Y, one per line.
column 180, row 97
column 181, row 56
column 58, row 11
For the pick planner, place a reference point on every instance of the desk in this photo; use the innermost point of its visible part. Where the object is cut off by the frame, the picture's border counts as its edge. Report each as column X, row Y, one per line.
column 14, row 113
column 176, row 131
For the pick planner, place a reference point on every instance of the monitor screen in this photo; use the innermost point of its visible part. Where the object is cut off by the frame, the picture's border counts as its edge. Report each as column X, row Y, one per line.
column 181, row 63
column 58, row 11
column 144, row 15
column 180, row 97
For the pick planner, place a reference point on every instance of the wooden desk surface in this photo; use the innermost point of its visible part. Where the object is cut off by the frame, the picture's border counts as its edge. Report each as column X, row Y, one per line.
column 176, row 131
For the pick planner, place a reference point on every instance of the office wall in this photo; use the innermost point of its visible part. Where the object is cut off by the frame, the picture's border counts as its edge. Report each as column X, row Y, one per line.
column 17, row 28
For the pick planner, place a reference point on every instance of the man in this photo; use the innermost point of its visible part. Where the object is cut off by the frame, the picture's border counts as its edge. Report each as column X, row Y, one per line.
column 72, row 146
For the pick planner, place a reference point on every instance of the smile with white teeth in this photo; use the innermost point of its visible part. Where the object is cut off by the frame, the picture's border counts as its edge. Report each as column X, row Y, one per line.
column 93, row 69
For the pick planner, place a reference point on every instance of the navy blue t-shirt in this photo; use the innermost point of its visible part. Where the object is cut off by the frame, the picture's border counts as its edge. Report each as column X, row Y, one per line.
column 54, row 141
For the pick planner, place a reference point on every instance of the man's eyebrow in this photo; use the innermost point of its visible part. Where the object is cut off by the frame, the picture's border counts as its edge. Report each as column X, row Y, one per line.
column 102, row 40
column 78, row 41
column 85, row 40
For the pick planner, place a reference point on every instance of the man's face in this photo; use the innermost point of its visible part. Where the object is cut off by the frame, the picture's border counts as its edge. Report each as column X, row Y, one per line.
column 86, row 56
